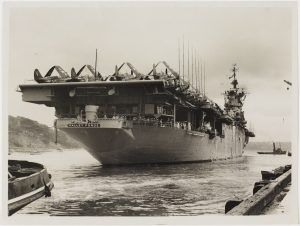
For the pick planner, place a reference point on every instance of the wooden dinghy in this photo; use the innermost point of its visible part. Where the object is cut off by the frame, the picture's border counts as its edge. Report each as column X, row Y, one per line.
column 27, row 181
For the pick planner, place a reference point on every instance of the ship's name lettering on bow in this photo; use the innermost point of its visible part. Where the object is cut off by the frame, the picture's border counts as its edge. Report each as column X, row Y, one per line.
column 93, row 125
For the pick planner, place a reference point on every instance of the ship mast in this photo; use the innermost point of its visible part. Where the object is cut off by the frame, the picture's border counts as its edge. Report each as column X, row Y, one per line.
column 234, row 99
column 183, row 57
column 188, row 62
column 234, row 82
column 179, row 56
column 96, row 66
column 201, row 78
column 204, row 78
column 192, row 67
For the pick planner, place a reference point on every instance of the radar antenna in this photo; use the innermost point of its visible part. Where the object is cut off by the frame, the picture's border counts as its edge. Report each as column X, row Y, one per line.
column 234, row 81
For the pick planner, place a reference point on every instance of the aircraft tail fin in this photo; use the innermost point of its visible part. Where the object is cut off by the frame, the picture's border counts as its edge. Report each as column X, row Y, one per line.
column 37, row 75
column 73, row 73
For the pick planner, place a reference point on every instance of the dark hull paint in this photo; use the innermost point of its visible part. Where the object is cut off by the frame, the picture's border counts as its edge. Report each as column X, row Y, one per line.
column 26, row 189
column 16, row 206
column 148, row 145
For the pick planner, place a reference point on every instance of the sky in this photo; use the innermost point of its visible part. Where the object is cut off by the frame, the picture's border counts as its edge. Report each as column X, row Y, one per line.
column 258, row 37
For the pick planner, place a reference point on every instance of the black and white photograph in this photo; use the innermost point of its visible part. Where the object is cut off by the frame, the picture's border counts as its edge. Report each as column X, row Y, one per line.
column 150, row 112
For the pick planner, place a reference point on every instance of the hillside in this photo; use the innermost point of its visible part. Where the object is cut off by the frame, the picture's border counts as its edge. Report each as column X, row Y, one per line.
column 26, row 133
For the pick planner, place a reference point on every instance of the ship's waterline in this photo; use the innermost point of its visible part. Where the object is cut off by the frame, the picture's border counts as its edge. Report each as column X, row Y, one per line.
column 148, row 144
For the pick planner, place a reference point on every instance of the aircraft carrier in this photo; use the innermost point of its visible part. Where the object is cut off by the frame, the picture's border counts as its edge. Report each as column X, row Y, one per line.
column 135, row 118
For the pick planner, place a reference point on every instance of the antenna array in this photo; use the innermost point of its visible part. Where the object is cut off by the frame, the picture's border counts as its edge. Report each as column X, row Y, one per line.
column 196, row 75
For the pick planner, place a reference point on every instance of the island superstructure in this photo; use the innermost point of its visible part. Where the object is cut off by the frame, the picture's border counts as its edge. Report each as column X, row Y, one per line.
column 135, row 118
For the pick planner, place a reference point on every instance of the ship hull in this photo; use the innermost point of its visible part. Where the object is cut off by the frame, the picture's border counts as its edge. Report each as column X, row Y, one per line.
column 146, row 144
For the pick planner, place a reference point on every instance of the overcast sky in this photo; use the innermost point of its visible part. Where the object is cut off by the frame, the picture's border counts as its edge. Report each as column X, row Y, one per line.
column 259, row 38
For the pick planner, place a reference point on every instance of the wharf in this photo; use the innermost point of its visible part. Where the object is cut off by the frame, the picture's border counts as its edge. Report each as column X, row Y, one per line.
column 267, row 195
column 280, row 203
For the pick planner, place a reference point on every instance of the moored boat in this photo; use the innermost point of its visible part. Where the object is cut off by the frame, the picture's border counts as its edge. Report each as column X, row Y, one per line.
column 27, row 181
column 276, row 151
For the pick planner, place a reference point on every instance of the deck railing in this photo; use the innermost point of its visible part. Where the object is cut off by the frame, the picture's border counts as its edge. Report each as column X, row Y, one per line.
column 141, row 122
column 128, row 123
column 152, row 122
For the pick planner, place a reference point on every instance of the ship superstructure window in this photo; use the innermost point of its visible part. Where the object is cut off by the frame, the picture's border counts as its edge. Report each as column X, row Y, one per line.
column 111, row 109
column 159, row 109
column 164, row 110
column 122, row 109
column 101, row 111
column 119, row 109
column 149, row 109
column 219, row 128
column 127, row 109
column 93, row 91
column 181, row 115
column 154, row 89
column 135, row 109
column 72, row 109
column 77, row 110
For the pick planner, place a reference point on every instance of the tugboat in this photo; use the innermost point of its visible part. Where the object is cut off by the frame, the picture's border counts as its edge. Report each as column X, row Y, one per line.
column 276, row 151
column 27, row 181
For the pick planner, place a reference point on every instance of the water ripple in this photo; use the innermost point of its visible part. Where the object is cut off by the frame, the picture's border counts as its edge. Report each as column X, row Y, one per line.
column 85, row 188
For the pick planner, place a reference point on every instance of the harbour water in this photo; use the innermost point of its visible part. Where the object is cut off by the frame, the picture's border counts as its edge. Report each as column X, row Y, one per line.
column 84, row 188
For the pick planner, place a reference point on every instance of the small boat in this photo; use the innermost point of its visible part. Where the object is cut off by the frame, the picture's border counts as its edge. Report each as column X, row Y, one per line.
column 276, row 151
column 27, row 181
